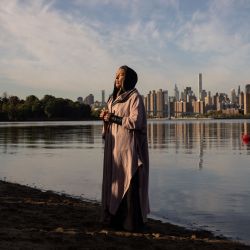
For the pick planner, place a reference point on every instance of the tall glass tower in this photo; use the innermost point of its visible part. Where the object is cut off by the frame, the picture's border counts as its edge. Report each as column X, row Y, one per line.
column 103, row 97
column 200, row 87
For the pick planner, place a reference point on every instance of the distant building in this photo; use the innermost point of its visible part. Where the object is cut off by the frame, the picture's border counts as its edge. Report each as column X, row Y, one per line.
column 171, row 104
column 176, row 93
column 209, row 102
column 233, row 96
column 231, row 111
column 96, row 105
column 103, row 97
column 165, row 96
column 178, row 108
column 239, row 91
column 221, row 101
column 208, row 99
column 203, row 95
column 153, row 104
column 160, row 104
column 241, row 100
column 247, row 100
column 156, row 103
column 187, row 94
column 89, row 100
column 198, row 107
column 182, row 108
column 148, row 103
column 200, row 87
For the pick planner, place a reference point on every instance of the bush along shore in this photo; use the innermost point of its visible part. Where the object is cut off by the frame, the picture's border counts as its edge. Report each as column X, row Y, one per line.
column 35, row 219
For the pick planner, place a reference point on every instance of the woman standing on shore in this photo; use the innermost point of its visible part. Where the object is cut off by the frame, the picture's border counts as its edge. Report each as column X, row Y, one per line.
column 125, row 203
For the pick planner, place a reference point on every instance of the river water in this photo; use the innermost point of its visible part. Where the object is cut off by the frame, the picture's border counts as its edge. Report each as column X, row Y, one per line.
column 199, row 169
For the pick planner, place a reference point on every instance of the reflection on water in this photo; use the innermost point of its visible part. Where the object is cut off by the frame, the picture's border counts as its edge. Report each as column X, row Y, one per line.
column 61, row 156
column 189, row 134
column 13, row 138
column 199, row 170
column 192, row 136
column 53, row 134
column 200, row 174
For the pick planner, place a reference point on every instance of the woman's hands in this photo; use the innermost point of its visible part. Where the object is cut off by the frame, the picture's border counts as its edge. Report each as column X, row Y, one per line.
column 103, row 112
column 110, row 117
column 105, row 115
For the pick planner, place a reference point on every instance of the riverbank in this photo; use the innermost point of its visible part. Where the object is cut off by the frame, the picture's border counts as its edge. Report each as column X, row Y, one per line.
column 35, row 219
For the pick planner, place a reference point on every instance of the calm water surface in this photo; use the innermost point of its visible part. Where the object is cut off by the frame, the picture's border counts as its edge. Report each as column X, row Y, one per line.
column 199, row 170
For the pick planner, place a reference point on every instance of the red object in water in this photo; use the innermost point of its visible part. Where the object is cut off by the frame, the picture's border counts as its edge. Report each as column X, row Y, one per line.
column 245, row 138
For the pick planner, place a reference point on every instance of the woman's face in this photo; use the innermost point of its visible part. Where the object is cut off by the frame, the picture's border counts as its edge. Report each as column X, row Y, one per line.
column 119, row 78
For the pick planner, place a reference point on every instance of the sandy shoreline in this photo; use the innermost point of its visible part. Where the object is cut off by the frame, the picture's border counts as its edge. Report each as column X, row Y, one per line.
column 34, row 219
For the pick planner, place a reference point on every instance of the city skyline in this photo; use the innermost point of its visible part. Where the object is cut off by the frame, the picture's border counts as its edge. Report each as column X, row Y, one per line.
column 175, row 91
column 72, row 48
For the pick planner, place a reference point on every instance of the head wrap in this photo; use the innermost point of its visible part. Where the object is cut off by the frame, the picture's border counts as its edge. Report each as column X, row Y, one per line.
column 130, row 78
column 129, row 81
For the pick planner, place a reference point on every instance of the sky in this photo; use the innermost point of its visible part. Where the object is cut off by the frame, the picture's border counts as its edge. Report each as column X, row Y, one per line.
column 71, row 48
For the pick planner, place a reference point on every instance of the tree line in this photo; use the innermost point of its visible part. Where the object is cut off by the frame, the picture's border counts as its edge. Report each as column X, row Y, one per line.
column 12, row 108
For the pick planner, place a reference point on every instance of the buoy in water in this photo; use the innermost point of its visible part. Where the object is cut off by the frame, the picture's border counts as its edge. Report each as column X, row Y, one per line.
column 245, row 138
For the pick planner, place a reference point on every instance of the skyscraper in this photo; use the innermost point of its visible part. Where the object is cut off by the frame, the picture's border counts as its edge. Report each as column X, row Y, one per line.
column 238, row 91
column 241, row 100
column 200, row 87
column 165, row 95
column 198, row 107
column 153, row 104
column 176, row 93
column 208, row 99
column 233, row 96
column 103, row 97
column 148, row 104
column 89, row 100
column 160, row 103
column 247, row 100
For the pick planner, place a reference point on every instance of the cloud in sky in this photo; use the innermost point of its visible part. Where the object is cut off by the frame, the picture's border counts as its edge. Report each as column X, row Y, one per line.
column 72, row 48
column 42, row 49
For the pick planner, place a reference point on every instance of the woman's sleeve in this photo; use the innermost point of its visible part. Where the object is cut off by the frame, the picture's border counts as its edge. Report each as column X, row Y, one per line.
column 137, row 113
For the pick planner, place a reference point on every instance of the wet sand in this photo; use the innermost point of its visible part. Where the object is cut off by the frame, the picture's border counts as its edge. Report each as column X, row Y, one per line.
column 35, row 219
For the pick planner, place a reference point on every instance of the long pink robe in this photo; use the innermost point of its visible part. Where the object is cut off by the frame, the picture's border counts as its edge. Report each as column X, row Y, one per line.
column 125, row 151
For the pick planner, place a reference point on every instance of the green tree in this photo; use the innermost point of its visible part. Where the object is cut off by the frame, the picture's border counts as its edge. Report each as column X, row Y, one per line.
column 14, row 100
column 55, row 108
column 37, row 109
column 12, row 108
column 85, row 110
column 50, row 108
column 31, row 99
column 24, row 112
column 3, row 110
column 47, row 98
column 5, row 98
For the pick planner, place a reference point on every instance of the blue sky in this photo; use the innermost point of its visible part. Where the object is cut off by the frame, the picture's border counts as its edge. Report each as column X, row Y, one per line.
column 70, row 48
